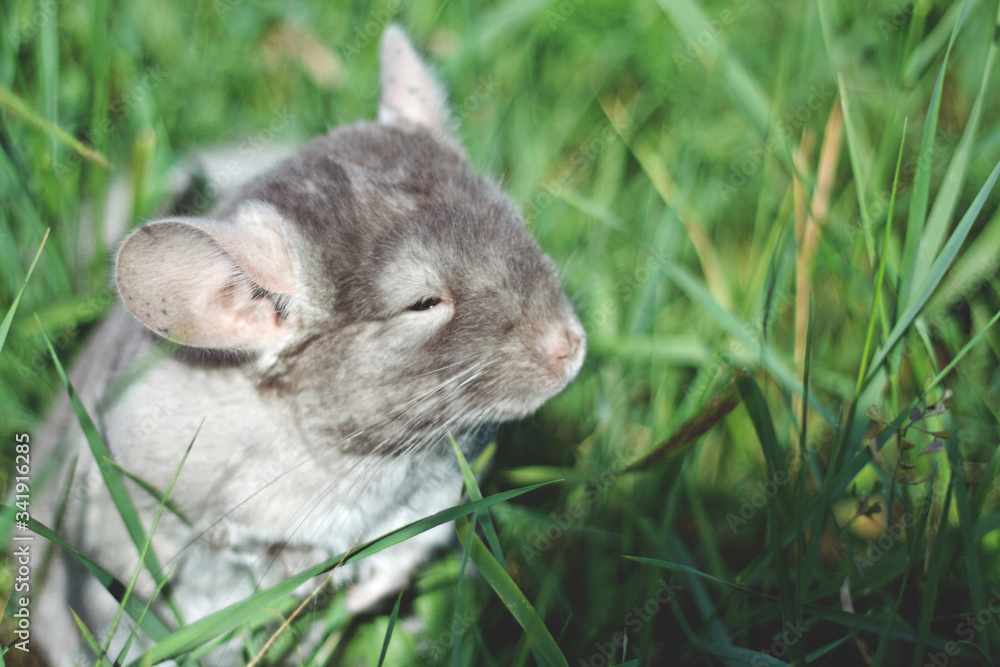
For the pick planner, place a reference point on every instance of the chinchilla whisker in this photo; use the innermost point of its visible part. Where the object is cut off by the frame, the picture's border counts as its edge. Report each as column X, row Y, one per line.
column 392, row 382
column 419, row 448
column 242, row 502
column 575, row 297
column 473, row 373
column 426, row 396
column 414, row 445
column 375, row 461
column 569, row 261
column 438, row 370
column 370, row 463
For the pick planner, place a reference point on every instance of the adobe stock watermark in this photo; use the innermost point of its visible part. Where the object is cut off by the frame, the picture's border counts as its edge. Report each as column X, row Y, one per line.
column 542, row 540
column 23, row 551
column 582, row 157
column 761, row 493
column 222, row 7
column 246, row 153
column 373, row 27
column 44, row 11
column 986, row 267
column 633, row 621
column 627, row 284
column 558, row 14
column 944, row 141
column 90, row 480
column 29, row 367
column 434, row 651
column 135, row 95
column 696, row 45
column 486, row 86
column 790, row 635
column 744, row 167
column 753, row 332
column 875, row 549
column 966, row 630
column 900, row 16
column 755, row 329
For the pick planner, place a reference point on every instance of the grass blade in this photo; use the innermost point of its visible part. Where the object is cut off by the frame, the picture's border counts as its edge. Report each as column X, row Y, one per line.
column 691, row 430
column 17, row 107
column 741, row 86
column 147, row 547
column 967, row 529
column 388, row 630
column 927, row 50
column 112, row 480
column 861, row 156
column 225, row 620
column 833, row 485
column 840, row 617
column 802, row 573
column 935, row 569
column 150, row 624
column 120, row 660
column 936, row 272
column 534, row 627
column 757, row 408
column 749, row 342
column 880, row 279
column 954, row 178
column 91, row 642
column 777, row 508
column 936, row 380
column 483, row 516
column 9, row 317
column 734, row 655
column 911, row 562
column 922, row 179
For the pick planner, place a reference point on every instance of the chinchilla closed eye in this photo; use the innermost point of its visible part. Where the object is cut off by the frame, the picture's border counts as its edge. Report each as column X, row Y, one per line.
column 325, row 331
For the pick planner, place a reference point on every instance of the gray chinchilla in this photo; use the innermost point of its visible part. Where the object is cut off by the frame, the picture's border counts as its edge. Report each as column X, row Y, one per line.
column 328, row 327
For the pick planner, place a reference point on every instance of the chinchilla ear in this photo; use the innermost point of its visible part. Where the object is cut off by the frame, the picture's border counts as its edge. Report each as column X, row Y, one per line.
column 207, row 284
column 409, row 89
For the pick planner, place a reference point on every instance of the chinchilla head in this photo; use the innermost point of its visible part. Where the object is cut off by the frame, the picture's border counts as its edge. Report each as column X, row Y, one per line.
column 388, row 293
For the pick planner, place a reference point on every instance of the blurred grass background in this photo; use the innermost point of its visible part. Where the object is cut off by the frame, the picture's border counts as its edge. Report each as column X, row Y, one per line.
column 704, row 171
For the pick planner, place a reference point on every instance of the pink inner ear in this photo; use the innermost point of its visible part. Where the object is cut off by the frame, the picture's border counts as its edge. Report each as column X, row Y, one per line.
column 180, row 282
column 239, row 317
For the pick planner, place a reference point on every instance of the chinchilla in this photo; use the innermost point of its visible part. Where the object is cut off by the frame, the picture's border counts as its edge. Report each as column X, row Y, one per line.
column 325, row 331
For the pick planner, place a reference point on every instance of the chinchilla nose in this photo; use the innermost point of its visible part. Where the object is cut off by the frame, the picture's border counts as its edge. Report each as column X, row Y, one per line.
column 565, row 349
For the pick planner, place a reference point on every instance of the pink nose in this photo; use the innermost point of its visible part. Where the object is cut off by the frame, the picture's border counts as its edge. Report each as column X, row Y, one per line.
column 565, row 350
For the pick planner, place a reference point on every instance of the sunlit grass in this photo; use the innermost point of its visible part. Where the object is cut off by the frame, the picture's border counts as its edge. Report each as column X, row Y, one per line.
column 672, row 157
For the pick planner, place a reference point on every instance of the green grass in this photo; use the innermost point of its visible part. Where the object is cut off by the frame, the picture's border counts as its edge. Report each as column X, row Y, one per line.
column 670, row 156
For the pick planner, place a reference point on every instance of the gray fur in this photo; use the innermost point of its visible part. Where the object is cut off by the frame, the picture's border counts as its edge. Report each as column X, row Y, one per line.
column 325, row 399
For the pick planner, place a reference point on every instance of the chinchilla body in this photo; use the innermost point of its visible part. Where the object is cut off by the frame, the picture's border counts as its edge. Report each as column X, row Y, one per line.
column 311, row 346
